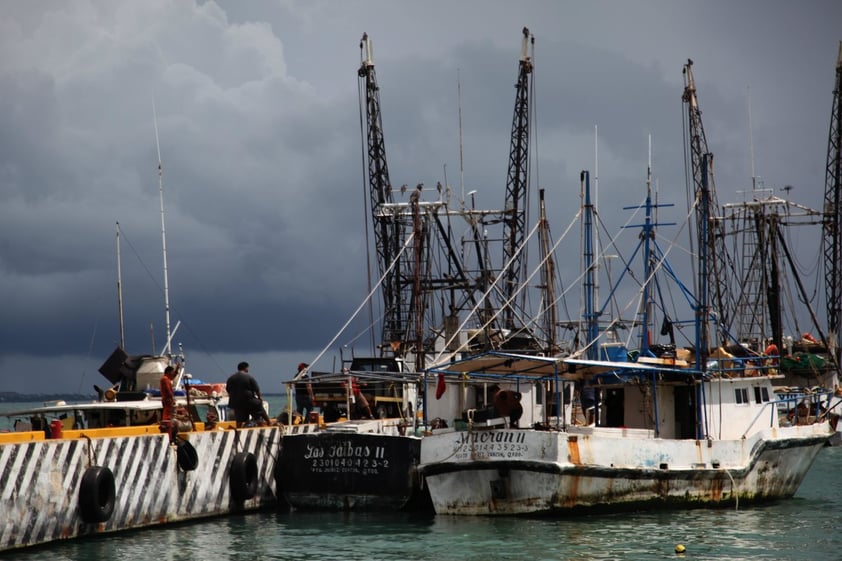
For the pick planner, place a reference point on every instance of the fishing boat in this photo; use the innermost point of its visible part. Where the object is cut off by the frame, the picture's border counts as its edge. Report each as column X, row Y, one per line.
column 662, row 437
column 610, row 428
column 360, row 450
column 433, row 299
column 665, row 433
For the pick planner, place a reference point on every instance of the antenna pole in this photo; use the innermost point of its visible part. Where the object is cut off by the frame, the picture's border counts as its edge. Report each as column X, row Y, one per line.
column 120, row 293
column 595, row 208
column 167, row 348
column 751, row 140
column 461, row 158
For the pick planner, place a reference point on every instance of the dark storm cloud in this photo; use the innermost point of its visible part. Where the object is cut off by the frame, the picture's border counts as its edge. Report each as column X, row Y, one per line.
column 258, row 119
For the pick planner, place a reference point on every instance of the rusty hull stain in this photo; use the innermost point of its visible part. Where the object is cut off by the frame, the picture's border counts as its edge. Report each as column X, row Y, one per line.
column 573, row 451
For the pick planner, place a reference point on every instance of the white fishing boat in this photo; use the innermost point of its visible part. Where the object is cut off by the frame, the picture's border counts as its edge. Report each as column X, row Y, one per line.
column 642, row 450
column 670, row 427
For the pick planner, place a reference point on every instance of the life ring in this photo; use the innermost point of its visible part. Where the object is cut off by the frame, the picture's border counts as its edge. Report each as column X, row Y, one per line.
column 97, row 495
column 188, row 458
column 243, row 476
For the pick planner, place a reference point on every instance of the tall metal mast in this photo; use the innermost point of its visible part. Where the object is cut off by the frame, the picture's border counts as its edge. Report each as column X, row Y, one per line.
column 833, row 216
column 589, row 286
column 168, row 346
column 547, row 278
column 120, row 293
column 647, row 235
column 516, row 185
column 388, row 228
column 713, row 275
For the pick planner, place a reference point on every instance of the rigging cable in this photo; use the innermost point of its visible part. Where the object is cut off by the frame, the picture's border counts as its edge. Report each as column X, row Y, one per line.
column 367, row 298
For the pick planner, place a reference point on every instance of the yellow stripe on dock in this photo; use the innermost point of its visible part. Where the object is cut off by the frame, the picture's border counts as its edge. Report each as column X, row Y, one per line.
column 27, row 436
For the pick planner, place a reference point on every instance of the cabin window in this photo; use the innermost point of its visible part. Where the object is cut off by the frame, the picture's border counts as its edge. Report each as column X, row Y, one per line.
column 741, row 395
column 761, row 395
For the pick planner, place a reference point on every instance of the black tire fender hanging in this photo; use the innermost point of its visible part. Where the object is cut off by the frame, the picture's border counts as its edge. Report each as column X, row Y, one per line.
column 188, row 458
column 243, row 476
column 97, row 495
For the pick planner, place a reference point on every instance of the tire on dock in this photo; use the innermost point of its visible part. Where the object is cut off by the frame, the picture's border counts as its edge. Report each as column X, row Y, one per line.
column 188, row 458
column 97, row 495
column 243, row 476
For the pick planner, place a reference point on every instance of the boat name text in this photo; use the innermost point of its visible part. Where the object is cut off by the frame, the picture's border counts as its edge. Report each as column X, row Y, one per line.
column 347, row 458
column 492, row 444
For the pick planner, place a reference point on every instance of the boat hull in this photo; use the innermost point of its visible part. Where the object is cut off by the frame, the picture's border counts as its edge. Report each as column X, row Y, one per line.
column 350, row 471
column 43, row 488
column 511, row 472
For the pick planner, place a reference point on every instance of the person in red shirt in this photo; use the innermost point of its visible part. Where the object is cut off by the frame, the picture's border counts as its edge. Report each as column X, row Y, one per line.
column 167, row 397
column 362, row 403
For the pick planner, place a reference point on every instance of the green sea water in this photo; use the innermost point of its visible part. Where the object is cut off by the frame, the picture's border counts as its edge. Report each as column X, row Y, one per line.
column 807, row 527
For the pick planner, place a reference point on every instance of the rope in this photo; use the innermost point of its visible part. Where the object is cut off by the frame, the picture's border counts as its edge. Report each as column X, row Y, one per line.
column 733, row 492
column 92, row 460
column 470, row 439
column 360, row 307
column 237, row 443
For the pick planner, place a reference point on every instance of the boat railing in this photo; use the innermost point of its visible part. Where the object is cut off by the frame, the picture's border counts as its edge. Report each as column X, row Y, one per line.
column 795, row 405
column 742, row 366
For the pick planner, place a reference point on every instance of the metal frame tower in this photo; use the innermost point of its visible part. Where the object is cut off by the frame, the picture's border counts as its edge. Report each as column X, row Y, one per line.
column 833, row 216
column 713, row 275
column 389, row 231
column 515, row 209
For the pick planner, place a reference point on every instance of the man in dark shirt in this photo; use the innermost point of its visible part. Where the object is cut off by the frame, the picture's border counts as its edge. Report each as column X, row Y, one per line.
column 304, row 398
column 244, row 396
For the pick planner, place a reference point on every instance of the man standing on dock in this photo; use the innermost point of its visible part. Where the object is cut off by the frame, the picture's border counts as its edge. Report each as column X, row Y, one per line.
column 244, row 396
column 167, row 399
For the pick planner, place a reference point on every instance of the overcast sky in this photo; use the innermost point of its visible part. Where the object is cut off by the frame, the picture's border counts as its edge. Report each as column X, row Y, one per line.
column 258, row 119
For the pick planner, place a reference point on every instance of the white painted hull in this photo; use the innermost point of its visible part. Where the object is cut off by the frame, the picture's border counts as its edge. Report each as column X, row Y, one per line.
column 511, row 472
column 40, row 492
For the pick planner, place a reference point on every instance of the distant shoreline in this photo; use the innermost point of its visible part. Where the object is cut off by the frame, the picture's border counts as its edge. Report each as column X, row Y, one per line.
column 14, row 397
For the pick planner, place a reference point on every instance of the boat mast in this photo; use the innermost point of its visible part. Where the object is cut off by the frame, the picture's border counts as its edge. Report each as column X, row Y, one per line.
column 647, row 235
column 120, row 293
column 833, row 218
column 168, row 346
column 713, row 278
column 517, row 186
column 388, row 229
column 547, row 278
column 418, row 300
column 591, row 316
